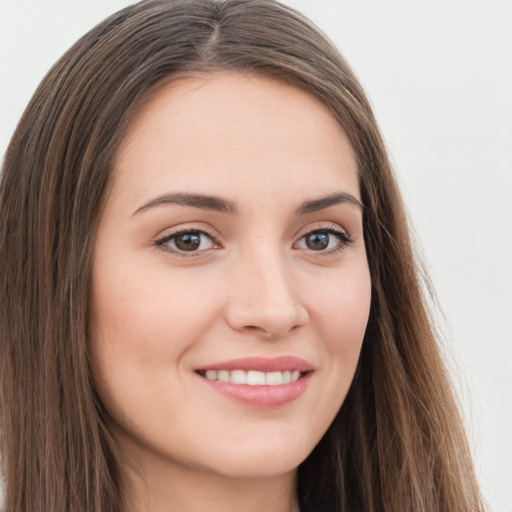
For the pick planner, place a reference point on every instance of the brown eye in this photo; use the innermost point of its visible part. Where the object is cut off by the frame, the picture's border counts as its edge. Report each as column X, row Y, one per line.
column 186, row 242
column 318, row 240
column 323, row 240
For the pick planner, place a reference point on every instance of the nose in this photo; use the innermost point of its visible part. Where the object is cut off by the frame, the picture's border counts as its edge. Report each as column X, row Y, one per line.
column 264, row 299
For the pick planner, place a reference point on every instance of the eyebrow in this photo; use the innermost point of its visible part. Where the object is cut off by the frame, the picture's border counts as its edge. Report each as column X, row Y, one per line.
column 219, row 204
column 327, row 201
column 204, row 202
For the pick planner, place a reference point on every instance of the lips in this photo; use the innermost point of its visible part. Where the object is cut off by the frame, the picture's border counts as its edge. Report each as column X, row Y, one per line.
column 263, row 364
column 258, row 381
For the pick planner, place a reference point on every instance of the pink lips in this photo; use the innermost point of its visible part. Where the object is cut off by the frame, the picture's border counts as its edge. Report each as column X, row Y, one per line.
column 261, row 395
column 263, row 364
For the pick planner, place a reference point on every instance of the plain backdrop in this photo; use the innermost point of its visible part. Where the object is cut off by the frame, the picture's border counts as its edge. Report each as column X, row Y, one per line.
column 439, row 75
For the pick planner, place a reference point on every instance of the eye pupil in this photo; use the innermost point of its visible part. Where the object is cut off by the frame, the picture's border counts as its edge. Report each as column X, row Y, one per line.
column 317, row 241
column 188, row 241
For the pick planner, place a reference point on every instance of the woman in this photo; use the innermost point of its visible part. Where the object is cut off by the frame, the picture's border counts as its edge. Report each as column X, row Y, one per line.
column 209, row 295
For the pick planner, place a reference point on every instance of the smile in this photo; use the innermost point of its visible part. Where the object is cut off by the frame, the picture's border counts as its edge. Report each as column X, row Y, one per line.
column 253, row 377
column 259, row 382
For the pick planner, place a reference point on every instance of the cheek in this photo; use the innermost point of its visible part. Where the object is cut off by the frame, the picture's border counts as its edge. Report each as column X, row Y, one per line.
column 141, row 329
column 342, row 312
column 146, row 313
column 340, row 315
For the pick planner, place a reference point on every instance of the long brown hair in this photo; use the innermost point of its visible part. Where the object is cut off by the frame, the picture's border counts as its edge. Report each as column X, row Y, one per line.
column 397, row 443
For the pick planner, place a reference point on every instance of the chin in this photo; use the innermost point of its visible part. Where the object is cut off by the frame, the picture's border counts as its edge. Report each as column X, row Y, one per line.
column 267, row 458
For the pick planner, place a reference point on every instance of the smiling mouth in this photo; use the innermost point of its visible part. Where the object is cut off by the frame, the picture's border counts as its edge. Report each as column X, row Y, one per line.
column 259, row 382
column 253, row 377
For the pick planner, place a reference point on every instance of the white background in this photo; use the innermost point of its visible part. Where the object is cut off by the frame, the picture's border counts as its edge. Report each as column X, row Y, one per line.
column 439, row 75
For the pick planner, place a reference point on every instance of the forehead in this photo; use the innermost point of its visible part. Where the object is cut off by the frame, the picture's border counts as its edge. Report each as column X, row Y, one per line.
column 231, row 131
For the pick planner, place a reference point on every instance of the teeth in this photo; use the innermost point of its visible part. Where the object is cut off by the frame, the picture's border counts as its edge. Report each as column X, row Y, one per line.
column 273, row 378
column 223, row 376
column 238, row 377
column 211, row 374
column 253, row 378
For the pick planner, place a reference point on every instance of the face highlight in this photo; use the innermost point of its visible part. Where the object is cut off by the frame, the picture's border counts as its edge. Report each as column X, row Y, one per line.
column 230, row 289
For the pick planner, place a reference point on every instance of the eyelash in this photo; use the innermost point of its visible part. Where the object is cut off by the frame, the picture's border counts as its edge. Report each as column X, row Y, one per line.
column 342, row 235
column 161, row 242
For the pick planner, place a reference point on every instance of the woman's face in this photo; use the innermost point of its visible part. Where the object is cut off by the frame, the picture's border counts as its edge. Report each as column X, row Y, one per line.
column 231, row 289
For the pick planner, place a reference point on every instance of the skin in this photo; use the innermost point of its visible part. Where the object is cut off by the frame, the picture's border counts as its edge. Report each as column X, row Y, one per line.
column 252, row 288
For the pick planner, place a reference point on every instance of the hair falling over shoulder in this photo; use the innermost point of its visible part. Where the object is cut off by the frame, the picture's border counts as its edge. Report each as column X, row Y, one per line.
column 397, row 444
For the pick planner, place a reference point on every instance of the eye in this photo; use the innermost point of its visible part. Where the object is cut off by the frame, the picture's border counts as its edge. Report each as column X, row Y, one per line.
column 187, row 241
column 324, row 239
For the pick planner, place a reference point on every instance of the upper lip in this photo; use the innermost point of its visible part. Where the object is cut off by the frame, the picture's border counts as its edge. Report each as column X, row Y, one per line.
column 263, row 364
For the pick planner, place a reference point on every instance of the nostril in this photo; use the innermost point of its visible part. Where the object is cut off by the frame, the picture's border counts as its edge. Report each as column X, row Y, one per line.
column 272, row 318
column 257, row 330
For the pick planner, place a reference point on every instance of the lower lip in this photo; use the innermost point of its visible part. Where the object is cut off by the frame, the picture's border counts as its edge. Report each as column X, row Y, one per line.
column 261, row 396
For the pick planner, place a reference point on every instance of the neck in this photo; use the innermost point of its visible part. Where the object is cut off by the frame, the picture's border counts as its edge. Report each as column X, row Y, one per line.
column 163, row 486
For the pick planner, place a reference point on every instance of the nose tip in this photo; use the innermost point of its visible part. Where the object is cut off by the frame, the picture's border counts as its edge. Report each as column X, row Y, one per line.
column 271, row 323
column 266, row 303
